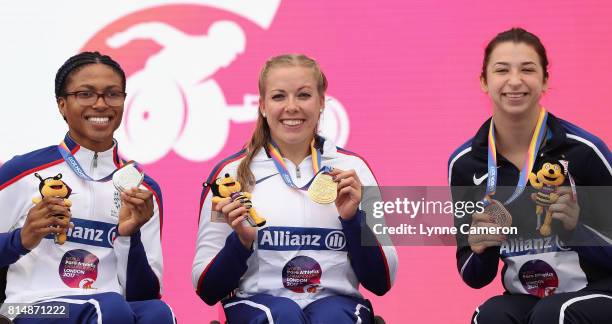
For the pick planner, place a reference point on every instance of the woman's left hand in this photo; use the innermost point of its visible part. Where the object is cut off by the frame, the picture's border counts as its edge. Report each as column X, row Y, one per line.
column 136, row 210
column 566, row 208
column 349, row 192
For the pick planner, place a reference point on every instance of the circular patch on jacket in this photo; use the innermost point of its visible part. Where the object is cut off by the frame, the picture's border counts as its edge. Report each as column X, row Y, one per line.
column 302, row 274
column 538, row 278
column 79, row 269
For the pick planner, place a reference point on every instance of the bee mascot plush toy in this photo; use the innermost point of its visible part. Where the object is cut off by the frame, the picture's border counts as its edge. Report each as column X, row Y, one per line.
column 546, row 180
column 229, row 188
column 54, row 187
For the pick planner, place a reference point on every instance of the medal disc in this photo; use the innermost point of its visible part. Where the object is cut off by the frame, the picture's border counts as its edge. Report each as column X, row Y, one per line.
column 127, row 177
column 500, row 215
column 323, row 189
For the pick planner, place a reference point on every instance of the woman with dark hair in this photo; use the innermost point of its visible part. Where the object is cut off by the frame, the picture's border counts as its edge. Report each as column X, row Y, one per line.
column 557, row 268
column 83, row 249
column 306, row 265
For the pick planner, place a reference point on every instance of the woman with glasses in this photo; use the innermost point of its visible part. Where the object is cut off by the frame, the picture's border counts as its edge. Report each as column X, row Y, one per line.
column 74, row 245
column 558, row 267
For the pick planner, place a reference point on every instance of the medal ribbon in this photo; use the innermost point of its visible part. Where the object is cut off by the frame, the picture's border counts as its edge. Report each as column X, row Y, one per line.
column 534, row 147
column 76, row 167
column 282, row 167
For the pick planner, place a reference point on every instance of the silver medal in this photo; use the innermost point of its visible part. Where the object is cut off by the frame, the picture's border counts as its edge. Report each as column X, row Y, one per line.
column 127, row 177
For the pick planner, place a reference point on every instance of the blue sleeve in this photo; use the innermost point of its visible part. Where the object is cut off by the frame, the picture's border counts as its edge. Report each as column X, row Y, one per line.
column 477, row 270
column 367, row 260
column 141, row 281
column 223, row 273
column 591, row 238
column 591, row 245
column 11, row 248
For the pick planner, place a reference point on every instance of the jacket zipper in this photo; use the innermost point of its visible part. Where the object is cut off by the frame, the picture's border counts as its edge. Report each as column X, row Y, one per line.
column 94, row 165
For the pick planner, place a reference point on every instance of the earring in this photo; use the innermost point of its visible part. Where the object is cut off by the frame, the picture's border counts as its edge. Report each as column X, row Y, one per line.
column 263, row 114
column 321, row 111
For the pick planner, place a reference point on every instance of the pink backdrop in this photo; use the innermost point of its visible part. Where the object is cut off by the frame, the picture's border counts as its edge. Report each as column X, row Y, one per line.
column 407, row 74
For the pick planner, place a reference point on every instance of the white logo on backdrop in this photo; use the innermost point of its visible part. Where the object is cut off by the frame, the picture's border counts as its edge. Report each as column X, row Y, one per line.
column 174, row 102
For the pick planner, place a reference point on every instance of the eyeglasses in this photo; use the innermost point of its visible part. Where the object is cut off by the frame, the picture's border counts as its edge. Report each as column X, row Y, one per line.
column 113, row 98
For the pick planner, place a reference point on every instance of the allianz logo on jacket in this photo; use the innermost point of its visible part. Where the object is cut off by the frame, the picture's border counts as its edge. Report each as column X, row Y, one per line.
column 523, row 246
column 301, row 238
column 91, row 233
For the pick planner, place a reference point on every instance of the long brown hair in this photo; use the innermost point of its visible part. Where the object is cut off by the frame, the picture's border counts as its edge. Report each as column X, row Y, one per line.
column 261, row 136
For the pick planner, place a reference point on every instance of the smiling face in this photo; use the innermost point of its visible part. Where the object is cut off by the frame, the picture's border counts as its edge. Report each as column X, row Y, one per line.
column 227, row 186
column 291, row 104
column 551, row 174
column 514, row 79
column 92, row 126
column 54, row 187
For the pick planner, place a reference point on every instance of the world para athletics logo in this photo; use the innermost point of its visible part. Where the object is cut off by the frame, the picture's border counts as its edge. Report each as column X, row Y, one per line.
column 177, row 98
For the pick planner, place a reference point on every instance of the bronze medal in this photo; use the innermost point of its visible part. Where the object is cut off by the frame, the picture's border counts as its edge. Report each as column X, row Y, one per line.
column 500, row 215
column 323, row 189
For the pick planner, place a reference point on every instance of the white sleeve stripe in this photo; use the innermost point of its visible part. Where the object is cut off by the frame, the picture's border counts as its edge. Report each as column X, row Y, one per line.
column 594, row 147
column 262, row 307
column 80, row 302
column 450, row 166
column 577, row 299
column 603, row 237
column 466, row 263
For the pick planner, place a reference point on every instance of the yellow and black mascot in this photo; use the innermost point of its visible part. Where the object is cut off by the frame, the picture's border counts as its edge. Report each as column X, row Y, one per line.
column 229, row 188
column 54, row 187
column 546, row 180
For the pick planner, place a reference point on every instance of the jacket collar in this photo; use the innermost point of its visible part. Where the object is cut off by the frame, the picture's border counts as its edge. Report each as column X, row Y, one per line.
column 326, row 146
column 555, row 137
column 113, row 152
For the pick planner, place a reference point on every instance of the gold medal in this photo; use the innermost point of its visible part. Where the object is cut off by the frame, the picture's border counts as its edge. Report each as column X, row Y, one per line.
column 500, row 215
column 323, row 189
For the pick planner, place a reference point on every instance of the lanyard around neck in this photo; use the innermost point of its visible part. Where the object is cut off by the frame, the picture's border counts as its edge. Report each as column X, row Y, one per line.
column 534, row 147
column 281, row 166
column 76, row 166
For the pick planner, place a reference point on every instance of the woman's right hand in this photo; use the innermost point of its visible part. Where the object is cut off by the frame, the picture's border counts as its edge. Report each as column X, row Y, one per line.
column 236, row 214
column 49, row 216
column 479, row 242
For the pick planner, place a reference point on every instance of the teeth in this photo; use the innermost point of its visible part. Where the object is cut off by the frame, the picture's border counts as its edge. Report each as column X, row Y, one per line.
column 98, row 120
column 292, row 122
column 515, row 95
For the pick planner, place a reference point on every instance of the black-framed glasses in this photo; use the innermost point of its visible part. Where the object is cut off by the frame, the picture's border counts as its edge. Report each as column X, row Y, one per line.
column 113, row 98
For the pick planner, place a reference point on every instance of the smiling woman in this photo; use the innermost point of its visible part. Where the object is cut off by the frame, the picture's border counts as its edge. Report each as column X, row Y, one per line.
column 543, row 284
column 307, row 264
column 110, row 237
column 90, row 97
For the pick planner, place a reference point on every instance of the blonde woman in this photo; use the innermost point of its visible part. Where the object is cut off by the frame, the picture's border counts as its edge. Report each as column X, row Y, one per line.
column 307, row 263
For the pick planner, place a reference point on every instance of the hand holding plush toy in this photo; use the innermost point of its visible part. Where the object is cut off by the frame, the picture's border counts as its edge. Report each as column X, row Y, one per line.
column 228, row 188
column 54, row 187
column 550, row 176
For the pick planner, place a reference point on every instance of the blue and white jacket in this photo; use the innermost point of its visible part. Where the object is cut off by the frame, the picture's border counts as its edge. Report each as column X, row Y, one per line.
column 304, row 252
column 94, row 259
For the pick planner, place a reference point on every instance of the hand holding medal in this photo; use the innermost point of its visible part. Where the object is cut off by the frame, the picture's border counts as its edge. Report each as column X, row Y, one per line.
column 480, row 242
column 136, row 204
column 349, row 192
